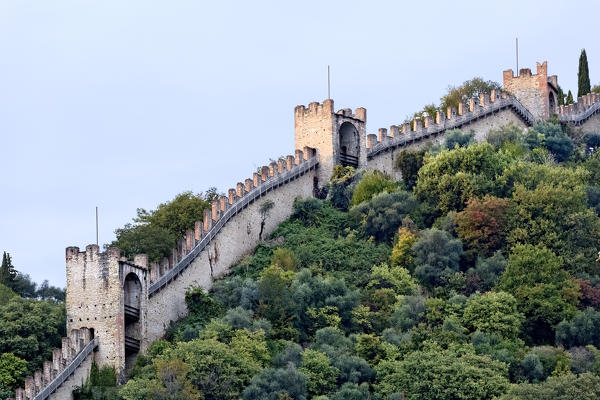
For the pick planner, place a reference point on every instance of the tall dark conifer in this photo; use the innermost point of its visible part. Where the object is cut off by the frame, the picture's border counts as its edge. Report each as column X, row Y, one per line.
column 583, row 76
column 569, row 98
column 561, row 96
column 7, row 271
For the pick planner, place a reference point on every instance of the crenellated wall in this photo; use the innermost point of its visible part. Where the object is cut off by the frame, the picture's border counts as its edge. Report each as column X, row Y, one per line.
column 478, row 115
column 68, row 369
column 583, row 114
column 231, row 229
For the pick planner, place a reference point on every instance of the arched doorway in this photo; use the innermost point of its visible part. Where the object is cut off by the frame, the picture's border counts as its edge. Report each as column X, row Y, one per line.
column 349, row 145
column 132, row 289
column 551, row 103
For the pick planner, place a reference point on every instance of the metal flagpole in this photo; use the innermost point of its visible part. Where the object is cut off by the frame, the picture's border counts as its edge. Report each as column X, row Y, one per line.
column 96, row 225
column 328, row 83
column 517, row 51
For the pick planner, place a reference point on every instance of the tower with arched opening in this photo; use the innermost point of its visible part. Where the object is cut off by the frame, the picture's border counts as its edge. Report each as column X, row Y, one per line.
column 339, row 137
column 108, row 294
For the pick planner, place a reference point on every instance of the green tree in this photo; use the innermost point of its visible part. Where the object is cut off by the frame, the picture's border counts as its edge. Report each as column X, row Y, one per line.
column 448, row 180
column 321, row 375
column 6, row 294
column 569, row 99
column 30, row 329
column 469, row 89
column 409, row 162
column 566, row 387
column 218, row 370
column 442, row 374
column 372, row 183
column 544, row 291
column 437, row 257
column 561, row 96
column 583, row 76
column 156, row 232
column 382, row 216
column 276, row 303
column 149, row 239
column 581, row 330
column 493, row 313
column 277, row 384
column 12, row 371
column 551, row 136
column 402, row 255
column 8, row 274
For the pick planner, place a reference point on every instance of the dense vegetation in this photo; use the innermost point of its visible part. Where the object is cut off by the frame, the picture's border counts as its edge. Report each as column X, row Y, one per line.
column 473, row 278
column 32, row 323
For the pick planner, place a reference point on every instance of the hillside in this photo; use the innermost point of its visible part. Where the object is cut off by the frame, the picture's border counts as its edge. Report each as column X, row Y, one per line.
column 475, row 278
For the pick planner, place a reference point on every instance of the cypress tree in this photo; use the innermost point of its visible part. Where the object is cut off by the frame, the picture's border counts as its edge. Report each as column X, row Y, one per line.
column 569, row 98
column 561, row 96
column 583, row 76
column 7, row 271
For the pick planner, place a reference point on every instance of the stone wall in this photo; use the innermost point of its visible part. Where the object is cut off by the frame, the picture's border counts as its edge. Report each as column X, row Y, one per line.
column 78, row 379
column 478, row 117
column 237, row 238
column 69, row 368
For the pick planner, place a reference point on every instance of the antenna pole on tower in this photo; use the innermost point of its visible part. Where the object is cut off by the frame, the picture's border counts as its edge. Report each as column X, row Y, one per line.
column 328, row 83
column 96, row 225
column 517, row 51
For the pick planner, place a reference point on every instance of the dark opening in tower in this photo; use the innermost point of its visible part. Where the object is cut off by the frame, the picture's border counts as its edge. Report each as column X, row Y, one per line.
column 132, row 299
column 349, row 145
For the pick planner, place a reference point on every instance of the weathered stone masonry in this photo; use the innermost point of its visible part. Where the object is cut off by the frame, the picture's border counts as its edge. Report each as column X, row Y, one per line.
column 116, row 307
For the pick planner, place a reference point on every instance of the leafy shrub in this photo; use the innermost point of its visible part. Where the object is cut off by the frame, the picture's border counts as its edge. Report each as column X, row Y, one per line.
column 409, row 162
column 371, row 183
column 436, row 257
column 382, row 216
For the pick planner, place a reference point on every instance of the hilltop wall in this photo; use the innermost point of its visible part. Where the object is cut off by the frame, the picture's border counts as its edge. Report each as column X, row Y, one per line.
column 238, row 237
column 478, row 116
column 583, row 114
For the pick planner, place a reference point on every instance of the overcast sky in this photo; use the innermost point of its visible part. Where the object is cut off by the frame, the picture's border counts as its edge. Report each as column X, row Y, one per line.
column 124, row 104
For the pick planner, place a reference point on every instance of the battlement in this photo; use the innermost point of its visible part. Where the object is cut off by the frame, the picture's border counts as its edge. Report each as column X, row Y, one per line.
column 541, row 71
column 537, row 92
column 580, row 111
column 195, row 240
column 426, row 127
column 74, row 349
column 316, row 109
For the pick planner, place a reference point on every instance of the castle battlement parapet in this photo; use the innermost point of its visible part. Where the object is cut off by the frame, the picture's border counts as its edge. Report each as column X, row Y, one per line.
column 581, row 111
column 73, row 351
column 419, row 129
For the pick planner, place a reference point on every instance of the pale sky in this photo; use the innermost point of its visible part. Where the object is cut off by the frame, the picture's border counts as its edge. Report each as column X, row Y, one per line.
column 124, row 104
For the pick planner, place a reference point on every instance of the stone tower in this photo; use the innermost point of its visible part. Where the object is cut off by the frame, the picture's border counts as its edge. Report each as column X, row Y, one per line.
column 108, row 295
column 537, row 92
column 339, row 137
